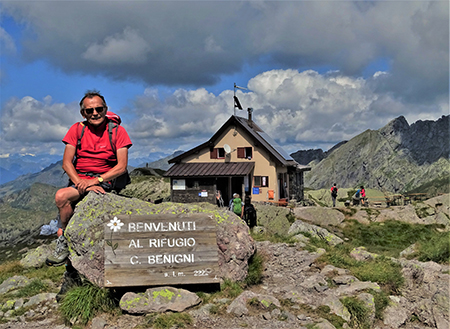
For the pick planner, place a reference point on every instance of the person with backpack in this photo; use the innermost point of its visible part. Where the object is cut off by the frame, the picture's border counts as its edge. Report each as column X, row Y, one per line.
column 237, row 205
column 95, row 157
column 249, row 213
column 362, row 192
column 357, row 197
column 334, row 193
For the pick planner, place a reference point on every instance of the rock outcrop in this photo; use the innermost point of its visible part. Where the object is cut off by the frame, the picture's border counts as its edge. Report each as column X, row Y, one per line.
column 86, row 241
column 158, row 300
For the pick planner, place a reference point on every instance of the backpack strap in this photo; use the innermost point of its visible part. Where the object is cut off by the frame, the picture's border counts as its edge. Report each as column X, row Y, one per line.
column 81, row 135
column 111, row 126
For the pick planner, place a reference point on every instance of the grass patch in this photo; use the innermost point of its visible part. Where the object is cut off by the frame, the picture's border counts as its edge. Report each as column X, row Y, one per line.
column 273, row 237
column 348, row 212
column 318, row 202
column 359, row 312
column 435, row 248
column 21, row 311
column 171, row 320
column 33, row 288
column 53, row 273
column 323, row 311
column 291, row 217
column 391, row 237
column 255, row 269
column 380, row 270
column 13, row 268
column 231, row 289
column 381, row 300
column 205, row 297
column 85, row 301
column 9, row 269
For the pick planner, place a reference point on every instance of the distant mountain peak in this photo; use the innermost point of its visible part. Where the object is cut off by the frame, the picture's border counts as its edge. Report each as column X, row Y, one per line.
column 396, row 126
column 397, row 157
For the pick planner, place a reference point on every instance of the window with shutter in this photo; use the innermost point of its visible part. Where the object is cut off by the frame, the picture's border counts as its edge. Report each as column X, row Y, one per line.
column 213, row 154
column 261, row 181
column 241, row 152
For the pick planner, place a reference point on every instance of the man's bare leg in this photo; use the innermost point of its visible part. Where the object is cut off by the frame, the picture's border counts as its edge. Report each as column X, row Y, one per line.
column 63, row 199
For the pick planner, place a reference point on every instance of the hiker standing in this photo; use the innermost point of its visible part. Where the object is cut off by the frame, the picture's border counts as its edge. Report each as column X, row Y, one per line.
column 249, row 212
column 363, row 195
column 95, row 155
column 334, row 192
column 237, row 205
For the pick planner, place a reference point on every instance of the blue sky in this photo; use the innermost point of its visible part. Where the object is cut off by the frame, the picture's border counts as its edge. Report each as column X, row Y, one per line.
column 318, row 72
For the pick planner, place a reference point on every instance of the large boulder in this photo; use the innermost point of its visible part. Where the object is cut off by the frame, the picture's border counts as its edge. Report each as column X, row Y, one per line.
column 159, row 300
column 322, row 216
column 86, row 237
column 35, row 258
column 315, row 231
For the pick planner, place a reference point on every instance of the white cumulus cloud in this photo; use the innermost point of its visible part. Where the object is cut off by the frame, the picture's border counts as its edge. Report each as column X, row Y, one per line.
column 126, row 47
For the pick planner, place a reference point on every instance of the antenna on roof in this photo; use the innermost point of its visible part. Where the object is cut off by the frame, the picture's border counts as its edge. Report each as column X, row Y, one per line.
column 237, row 104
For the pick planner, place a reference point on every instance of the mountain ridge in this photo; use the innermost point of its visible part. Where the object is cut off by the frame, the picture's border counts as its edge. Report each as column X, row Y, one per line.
column 397, row 157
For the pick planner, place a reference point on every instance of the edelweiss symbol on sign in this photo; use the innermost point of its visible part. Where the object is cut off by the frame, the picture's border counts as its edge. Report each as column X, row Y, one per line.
column 114, row 224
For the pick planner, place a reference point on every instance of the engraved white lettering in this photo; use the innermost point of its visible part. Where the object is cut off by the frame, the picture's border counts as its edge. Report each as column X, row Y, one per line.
column 139, row 227
column 134, row 244
column 170, row 259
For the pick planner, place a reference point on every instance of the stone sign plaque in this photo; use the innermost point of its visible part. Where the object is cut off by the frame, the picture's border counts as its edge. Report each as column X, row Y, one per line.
column 160, row 250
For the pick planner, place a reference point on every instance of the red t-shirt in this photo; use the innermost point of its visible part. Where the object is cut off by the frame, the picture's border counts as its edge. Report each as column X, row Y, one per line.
column 96, row 154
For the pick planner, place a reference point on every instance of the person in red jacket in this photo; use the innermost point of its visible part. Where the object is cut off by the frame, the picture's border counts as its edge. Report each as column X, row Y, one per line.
column 363, row 196
column 91, row 160
column 334, row 192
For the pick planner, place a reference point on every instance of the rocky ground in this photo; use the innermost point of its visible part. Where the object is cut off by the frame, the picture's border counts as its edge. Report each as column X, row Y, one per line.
column 296, row 288
column 294, row 284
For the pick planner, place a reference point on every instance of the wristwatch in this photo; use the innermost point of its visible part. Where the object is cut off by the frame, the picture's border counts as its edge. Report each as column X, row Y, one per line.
column 100, row 179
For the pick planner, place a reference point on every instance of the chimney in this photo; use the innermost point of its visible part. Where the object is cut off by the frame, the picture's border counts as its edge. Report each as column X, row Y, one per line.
column 250, row 111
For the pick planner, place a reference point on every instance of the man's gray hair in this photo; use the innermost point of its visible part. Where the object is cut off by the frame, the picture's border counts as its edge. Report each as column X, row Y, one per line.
column 92, row 94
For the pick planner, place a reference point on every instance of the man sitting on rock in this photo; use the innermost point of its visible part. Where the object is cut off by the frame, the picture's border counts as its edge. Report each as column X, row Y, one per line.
column 96, row 153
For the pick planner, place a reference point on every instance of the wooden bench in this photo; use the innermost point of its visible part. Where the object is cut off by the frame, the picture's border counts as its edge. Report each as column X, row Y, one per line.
column 279, row 203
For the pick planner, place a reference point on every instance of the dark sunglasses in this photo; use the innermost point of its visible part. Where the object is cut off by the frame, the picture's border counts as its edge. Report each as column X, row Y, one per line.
column 91, row 110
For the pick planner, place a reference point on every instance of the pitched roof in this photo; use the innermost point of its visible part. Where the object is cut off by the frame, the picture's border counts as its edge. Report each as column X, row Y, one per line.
column 203, row 169
column 260, row 137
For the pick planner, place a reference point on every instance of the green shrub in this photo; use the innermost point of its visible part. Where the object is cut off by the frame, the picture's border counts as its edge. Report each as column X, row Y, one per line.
column 255, row 269
column 358, row 311
column 84, row 302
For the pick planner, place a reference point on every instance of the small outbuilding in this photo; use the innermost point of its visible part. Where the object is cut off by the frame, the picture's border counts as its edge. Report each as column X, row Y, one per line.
column 239, row 158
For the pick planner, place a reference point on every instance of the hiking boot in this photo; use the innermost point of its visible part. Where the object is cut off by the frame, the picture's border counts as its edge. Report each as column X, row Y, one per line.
column 71, row 279
column 60, row 254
